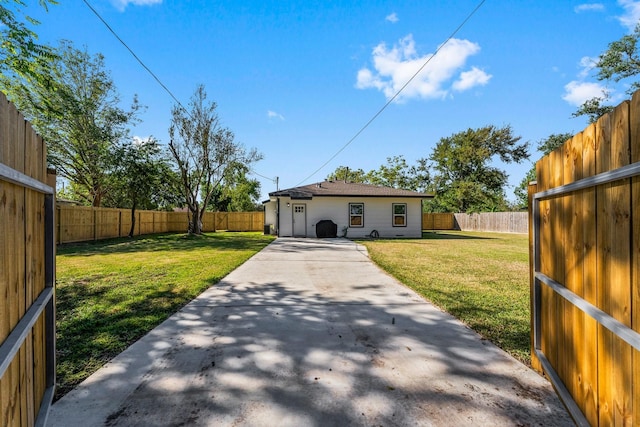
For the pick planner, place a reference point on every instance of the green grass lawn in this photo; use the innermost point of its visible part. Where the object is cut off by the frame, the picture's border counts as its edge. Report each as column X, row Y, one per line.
column 111, row 293
column 480, row 278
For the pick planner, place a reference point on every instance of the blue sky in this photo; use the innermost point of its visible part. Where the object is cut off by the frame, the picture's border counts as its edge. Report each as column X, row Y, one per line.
column 298, row 79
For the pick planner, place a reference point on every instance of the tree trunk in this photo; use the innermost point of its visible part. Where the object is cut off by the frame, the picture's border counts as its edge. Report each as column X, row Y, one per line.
column 195, row 225
column 133, row 219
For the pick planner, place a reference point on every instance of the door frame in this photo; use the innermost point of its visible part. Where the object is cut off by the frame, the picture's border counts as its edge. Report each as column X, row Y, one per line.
column 293, row 219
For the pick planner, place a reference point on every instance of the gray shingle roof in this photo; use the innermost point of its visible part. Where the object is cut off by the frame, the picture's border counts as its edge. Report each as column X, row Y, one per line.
column 345, row 189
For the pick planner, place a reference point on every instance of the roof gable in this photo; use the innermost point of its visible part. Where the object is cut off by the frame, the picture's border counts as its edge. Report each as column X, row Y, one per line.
column 346, row 189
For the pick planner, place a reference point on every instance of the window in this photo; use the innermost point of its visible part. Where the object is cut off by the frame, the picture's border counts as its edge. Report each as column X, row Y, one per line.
column 399, row 214
column 356, row 214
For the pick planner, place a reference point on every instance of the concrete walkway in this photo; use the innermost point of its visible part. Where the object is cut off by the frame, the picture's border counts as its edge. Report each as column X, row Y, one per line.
column 311, row 333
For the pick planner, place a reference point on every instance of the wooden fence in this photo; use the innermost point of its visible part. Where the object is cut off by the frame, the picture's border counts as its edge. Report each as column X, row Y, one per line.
column 27, row 274
column 438, row 221
column 84, row 223
column 499, row 222
column 586, row 269
column 80, row 223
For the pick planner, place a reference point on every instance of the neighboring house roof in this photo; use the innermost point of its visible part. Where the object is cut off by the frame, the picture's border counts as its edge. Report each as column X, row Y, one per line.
column 345, row 189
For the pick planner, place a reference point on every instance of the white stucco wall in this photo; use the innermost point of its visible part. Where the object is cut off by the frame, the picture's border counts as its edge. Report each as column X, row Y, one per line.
column 378, row 216
column 270, row 215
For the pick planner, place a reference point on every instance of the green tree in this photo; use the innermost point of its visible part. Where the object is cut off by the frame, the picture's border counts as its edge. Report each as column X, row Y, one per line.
column 204, row 152
column 20, row 52
column 464, row 179
column 545, row 146
column 78, row 114
column 140, row 177
column 620, row 61
column 237, row 192
column 398, row 174
column 344, row 173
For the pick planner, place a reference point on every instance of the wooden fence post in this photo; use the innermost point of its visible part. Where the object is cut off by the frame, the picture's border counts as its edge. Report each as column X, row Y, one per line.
column 535, row 362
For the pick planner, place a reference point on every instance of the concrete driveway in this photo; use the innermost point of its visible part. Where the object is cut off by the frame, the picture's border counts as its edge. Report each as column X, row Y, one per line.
column 311, row 333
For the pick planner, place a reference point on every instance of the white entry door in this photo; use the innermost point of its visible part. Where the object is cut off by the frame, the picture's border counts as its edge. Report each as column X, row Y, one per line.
column 299, row 220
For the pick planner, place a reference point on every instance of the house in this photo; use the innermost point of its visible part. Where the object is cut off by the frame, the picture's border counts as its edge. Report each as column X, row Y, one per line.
column 357, row 210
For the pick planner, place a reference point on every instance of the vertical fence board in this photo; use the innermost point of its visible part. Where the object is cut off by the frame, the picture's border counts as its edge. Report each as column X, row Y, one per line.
column 16, row 254
column 572, row 236
column 589, row 367
column 39, row 361
column 618, row 296
column 634, row 117
column 6, row 192
column 548, row 339
column 535, row 362
column 4, row 285
column 603, row 268
column 613, row 271
column 34, row 283
column 125, row 222
column 557, row 218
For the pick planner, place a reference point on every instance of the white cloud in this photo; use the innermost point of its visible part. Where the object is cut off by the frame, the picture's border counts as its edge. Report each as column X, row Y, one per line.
column 631, row 14
column 587, row 63
column 141, row 140
column 393, row 18
column 577, row 92
column 472, row 78
column 121, row 5
column 395, row 66
column 589, row 7
column 274, row 115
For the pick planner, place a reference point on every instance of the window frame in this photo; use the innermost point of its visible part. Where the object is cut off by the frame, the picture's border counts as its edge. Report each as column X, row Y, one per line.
column 395, row 215
column 356, row 215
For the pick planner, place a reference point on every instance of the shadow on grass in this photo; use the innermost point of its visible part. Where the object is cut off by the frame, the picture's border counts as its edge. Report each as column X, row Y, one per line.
column 514, row 334
column 168, row 242
column 439, row 235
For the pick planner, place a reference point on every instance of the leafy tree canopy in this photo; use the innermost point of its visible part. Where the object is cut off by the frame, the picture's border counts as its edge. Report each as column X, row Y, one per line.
column 460, row 171
column 78, row 114
column 620, row 61
column 142, row 177
column 237, row 192
column 344, row 173
column 20, row 52
column 464, row 178
column 396, row 173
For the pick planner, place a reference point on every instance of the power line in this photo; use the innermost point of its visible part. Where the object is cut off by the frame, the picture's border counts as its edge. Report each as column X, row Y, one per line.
column 384, row 107
column 262, row 176
column 157, row 79
column 135, row 56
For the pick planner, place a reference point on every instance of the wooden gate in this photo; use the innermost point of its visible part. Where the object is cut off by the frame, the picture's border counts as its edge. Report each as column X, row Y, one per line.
column 586, row 269
column 27, row 274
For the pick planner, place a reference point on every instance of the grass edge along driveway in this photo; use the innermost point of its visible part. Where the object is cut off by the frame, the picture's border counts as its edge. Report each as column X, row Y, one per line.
column 480, row 278
column 110, row 293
